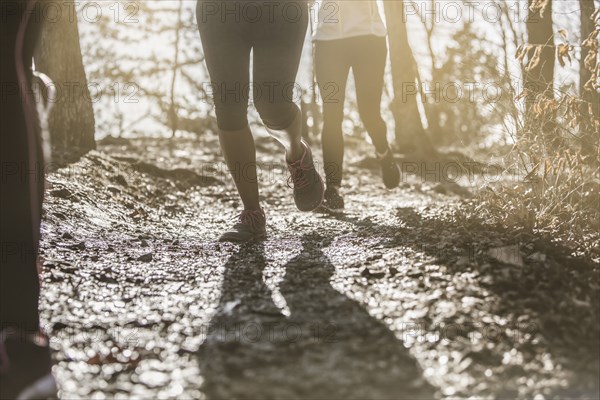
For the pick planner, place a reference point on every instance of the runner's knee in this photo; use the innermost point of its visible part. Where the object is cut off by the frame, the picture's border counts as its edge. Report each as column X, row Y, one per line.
column 277, row 115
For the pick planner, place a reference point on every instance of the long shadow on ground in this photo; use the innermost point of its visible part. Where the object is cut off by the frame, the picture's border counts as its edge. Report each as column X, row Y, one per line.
column 539, row 320
column 328, row 346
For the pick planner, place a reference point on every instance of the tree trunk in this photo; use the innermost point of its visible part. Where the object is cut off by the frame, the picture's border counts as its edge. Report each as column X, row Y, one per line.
column 539, row 74
column 540, row 79
column 58, row 55
column 173, row 116
column 410, row 133
column 587, row 27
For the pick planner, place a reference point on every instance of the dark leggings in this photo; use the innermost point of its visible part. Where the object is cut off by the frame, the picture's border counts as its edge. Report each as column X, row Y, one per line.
column 274, row 31
column 21, row 172
column 366, row 55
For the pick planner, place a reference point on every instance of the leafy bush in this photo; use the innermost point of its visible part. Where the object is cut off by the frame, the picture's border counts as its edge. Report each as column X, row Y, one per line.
column 556, row 159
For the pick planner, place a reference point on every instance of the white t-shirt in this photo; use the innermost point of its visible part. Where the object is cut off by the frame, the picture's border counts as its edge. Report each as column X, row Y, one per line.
column 339, row 19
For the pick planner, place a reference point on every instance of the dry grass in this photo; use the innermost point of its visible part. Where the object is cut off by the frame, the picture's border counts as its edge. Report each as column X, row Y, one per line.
column 556, row 168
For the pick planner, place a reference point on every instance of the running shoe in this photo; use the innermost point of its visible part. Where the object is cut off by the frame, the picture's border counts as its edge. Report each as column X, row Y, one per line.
column 390, row 171
column 251, row 226
column 333, row 199
column 306, row 182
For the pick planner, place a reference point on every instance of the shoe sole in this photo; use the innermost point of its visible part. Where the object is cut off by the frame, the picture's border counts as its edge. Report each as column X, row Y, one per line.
column 396, row 184
column 320, row 203
column 313, row 207
column 256, row 238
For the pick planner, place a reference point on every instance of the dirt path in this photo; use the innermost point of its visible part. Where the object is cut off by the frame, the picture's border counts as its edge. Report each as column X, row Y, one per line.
column 400, row 297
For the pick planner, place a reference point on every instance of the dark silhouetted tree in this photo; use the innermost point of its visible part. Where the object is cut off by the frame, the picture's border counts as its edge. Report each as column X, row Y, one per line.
column 539, row 74
column 407, row 84
column 58, row 54
column 589, row 55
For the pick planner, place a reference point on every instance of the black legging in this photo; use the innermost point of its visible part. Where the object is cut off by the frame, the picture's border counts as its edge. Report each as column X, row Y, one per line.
column 21, row 173
column 366, row 55
column 274, row 31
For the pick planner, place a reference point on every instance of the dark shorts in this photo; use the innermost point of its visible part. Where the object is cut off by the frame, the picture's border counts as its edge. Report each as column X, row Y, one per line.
column 274, row 31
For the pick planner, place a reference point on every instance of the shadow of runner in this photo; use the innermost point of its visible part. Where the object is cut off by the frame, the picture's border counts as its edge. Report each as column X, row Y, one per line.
column 329, row 347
